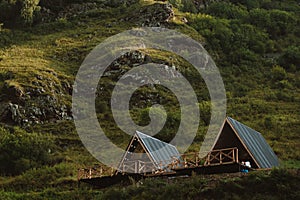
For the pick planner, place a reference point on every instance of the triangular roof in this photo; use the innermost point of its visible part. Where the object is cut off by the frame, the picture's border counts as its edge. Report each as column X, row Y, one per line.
column 249, row 141
column 159, row 153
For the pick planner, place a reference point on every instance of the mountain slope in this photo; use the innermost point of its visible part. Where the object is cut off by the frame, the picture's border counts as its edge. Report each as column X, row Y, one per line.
column 255, row 47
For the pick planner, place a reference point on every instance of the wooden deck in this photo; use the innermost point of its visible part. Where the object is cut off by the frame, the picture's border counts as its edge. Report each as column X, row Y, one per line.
column 217, row 161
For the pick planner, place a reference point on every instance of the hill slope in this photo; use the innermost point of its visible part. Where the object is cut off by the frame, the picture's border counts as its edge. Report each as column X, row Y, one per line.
column 255, row 46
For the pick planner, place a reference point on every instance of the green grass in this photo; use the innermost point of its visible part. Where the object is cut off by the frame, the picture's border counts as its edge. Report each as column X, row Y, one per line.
column 275, row 184
column 55, row 51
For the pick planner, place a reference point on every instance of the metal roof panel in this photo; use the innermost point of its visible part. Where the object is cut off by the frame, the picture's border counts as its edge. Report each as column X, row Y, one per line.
column 257, row 145
column 161, row 152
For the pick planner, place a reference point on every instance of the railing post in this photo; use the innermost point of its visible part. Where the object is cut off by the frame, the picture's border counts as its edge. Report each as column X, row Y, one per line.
column 237, row 155
column 208, row 159
column 78, row 174
column 135, row 167
column 139, row 166
column 112, row 171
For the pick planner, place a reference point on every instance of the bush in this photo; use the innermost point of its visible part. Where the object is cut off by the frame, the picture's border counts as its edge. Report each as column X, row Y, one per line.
column 18, row 11
column 21, row 151
column 29, row 7
column 282, row 23
column 227, row 10
column 259, row 18
column 188, row 6
column 278, row 73
column 176, row 3
column 290, row 58
column 268, row 122
column 252, row 4
column 184, row 5
column 61, row 176
column 205, row 112
column 235, row 43
column 285, row 95
column 116, row 194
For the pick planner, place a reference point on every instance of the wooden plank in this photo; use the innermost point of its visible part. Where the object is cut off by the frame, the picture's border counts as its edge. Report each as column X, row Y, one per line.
column 218, row 136
column 127, row 149
column 192, row 160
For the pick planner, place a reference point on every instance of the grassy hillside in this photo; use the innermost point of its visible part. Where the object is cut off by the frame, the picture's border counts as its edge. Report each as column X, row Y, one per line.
column 255, row 44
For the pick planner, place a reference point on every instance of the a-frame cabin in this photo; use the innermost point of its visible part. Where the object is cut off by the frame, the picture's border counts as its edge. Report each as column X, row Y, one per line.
column 146, row 154
column 252, row 146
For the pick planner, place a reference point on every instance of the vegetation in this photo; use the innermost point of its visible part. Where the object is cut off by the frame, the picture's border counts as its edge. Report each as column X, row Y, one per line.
column 23, row 11
column 22, row 151
column 276, row 184
column 254, row 43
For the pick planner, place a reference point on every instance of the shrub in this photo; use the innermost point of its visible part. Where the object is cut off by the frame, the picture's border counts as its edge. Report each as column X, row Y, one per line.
column 250, row 4
column 282, row 23
column 268, row 122
column 15, row 11
column 285, row 95
column 115, row 194
column 205, row 112
column 259, row 18
column 278, row 73
column 227, row 10
column 60, row 176
column 27, row 10
column 21, row 151
column 184, row 5
column 290, row 58
column 176, row 3
column 188, row 6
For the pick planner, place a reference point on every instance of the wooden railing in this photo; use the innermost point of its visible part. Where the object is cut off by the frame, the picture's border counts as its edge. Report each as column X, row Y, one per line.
column 190, row 160
column 215, row 157
column 94, row 172
column 222, row 156
column 137, row 166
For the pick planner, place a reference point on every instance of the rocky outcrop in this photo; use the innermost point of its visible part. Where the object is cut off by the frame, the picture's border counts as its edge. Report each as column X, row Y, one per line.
column 66, row 10
column 43, row 100
column 74, row 10
column 135, row 58
column 46, row 96
column 155, row 15
column 117, row 71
